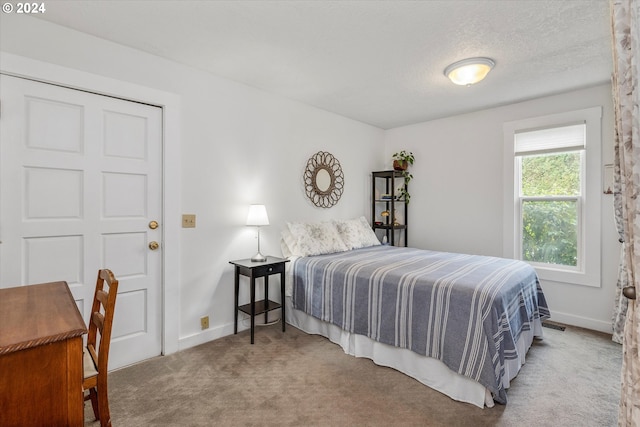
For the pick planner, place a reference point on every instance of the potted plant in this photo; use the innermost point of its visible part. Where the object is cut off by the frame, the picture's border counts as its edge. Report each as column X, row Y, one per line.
column 401, row 162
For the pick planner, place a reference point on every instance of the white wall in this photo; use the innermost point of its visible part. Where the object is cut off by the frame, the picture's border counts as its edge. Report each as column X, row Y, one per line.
column 241, row 146
column 238, row 146
column 457, row 193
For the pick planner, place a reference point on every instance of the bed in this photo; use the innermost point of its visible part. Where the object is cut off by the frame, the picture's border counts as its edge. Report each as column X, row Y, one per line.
column 458, row 323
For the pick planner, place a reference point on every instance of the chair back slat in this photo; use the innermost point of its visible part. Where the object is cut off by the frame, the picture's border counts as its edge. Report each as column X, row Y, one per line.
column 98, row 320
column 103, row 297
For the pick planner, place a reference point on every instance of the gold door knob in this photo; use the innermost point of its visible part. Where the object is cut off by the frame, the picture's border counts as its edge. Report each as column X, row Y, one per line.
column 153, row 225
column 154, row 245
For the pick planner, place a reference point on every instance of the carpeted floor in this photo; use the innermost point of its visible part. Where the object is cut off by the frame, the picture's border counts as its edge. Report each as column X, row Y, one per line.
column 571, row 378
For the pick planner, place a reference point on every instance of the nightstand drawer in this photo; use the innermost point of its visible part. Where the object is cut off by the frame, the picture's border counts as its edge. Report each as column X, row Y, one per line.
column 265, row 270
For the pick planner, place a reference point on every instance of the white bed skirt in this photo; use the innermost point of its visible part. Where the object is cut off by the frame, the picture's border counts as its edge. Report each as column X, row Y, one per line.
column 427, row 370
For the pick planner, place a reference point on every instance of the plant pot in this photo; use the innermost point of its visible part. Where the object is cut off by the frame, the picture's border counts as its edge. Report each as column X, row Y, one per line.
column 400, row 165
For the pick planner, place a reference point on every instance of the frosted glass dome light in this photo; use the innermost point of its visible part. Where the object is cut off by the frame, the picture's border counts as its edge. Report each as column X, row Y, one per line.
column 469, row 71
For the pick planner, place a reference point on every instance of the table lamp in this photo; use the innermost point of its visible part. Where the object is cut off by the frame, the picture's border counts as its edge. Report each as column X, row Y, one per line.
column 258, row 217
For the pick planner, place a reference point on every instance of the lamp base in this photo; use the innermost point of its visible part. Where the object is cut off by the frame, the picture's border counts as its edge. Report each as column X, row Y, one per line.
column 258, row 258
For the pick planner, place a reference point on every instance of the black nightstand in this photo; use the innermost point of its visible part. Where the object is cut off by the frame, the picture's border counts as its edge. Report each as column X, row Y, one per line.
column 254, row 270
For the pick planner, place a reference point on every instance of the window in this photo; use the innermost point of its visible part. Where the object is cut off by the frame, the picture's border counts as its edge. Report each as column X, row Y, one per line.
column 552, row 198
column 549, row 165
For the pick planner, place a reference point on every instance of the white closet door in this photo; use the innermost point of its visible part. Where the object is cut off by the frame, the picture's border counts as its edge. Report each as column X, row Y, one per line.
column 80, row 181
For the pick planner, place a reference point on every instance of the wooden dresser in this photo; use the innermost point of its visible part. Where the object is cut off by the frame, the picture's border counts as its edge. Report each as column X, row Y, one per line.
column 40, row 356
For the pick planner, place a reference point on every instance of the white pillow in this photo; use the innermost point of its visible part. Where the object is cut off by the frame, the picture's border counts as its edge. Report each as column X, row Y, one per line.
column 315, row 238
column 356, row 233
column 285, row 249
column 288, row 244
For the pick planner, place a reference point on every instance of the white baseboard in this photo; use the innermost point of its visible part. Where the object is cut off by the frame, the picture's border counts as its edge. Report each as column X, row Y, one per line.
column 224, row 330
column 581, row 322
column 227, row 329
column 206, row 336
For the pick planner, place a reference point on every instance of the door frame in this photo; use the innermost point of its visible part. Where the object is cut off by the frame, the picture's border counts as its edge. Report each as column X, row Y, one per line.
column 19, row 66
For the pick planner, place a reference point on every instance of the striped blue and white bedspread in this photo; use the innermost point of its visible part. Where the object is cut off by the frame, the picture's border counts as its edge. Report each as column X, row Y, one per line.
column 466, row 310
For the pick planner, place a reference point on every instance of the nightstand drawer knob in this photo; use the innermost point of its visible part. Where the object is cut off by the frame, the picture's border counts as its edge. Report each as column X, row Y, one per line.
column 270, row 268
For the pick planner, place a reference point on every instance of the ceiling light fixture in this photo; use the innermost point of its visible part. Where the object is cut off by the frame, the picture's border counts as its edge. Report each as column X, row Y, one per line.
column 469, row 71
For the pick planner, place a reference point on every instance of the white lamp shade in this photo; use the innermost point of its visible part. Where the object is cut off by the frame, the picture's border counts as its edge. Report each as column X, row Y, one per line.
column 469, row 71
column 257, row 215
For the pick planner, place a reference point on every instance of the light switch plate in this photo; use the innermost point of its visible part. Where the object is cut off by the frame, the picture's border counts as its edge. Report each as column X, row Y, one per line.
column 188, row 221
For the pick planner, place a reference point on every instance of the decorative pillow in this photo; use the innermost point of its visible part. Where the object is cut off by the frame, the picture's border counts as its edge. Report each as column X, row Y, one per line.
column 288, row 243
column 356, row 233
column 315, row 238
column 286, row 252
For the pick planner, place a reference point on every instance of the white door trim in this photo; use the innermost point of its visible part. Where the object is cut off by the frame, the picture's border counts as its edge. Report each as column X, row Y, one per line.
column 170, row 103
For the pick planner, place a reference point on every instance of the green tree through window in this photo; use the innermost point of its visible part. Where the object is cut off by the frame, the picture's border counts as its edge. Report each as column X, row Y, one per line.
column 550, row 187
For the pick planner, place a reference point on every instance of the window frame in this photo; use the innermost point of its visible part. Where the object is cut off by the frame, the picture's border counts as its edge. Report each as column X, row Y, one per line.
column 588, row 270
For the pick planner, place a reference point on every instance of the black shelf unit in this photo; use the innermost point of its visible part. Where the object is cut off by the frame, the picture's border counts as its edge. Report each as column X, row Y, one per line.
column 387, row 181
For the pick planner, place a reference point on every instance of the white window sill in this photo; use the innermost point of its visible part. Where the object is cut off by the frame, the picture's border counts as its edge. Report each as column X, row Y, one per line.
column 566, row 276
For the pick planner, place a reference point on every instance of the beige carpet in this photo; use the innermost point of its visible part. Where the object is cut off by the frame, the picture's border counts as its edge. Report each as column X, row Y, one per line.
column 571, row 378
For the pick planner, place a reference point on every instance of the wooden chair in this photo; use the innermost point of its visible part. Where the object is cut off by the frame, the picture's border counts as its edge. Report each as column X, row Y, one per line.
column 96, row 358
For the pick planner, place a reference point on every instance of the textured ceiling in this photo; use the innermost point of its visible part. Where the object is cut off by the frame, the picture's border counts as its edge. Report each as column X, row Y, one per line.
column 379, row 62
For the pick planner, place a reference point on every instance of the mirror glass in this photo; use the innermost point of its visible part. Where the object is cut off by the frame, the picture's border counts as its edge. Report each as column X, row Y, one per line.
column 323, row 180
